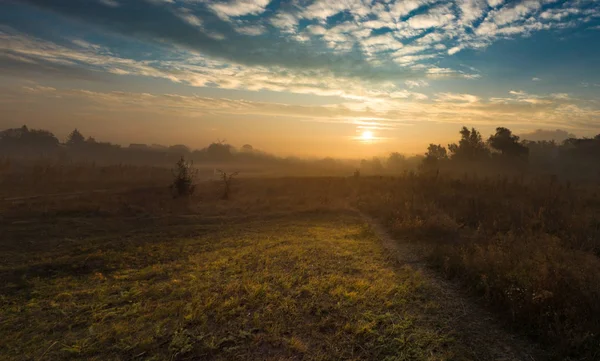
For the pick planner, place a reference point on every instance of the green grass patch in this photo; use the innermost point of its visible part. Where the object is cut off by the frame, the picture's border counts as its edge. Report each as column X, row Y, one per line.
column 314, row 287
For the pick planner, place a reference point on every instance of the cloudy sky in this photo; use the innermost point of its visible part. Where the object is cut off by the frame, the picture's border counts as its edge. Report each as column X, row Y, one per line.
column 305, row 77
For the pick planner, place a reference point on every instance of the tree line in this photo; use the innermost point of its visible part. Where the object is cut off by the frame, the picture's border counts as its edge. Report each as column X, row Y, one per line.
column 504, row 150
column 24, row 142
column 501, row 151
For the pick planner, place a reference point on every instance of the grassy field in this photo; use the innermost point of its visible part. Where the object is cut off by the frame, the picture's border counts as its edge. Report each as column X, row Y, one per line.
column 311, row 285
column 529, row 248
column 286, row 269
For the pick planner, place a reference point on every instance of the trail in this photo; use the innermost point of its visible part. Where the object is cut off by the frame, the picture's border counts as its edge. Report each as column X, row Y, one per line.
column 477, row 329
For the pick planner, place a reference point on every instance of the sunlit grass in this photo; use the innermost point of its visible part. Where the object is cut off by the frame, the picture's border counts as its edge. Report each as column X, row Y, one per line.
column 309, row 287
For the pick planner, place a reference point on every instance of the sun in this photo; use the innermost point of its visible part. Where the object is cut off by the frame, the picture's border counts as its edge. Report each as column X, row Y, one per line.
column 367, row 135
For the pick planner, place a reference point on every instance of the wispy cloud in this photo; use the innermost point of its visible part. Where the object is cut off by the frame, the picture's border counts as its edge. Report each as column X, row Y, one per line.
column 234, row 8
column 349, row 38
column 397, row 109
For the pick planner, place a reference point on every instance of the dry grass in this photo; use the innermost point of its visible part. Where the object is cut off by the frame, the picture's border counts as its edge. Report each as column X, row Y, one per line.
column 530, row 248
column 45, row 177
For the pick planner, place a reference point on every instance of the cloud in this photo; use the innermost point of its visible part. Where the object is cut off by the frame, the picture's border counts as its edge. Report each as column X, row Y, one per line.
column 399, row 9
column 337, row 36
column 454, row 50
column 512, row 13
column 137, row 18
column 471, row 10
column 233, row 8
column 285, row 21
column 416, row 83
column 535, row 79
column 253, row 30
column 435, row 17
column 323, row 9
column 86, row 59
column 111, row 3
column 460, row 98
column 388, row 109
column 187, row 16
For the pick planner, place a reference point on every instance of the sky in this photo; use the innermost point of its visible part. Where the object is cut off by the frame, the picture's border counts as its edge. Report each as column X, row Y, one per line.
column 343, row 78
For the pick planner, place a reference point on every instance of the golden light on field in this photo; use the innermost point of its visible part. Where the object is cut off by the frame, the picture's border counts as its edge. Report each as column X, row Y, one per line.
column 366, row 135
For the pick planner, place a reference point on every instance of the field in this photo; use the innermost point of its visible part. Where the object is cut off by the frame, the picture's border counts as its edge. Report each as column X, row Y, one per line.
column 302, row 268
column 222, row 284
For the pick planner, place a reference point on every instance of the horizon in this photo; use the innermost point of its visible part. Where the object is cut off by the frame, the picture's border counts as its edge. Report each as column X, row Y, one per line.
column 557, row 135
column 348, row 80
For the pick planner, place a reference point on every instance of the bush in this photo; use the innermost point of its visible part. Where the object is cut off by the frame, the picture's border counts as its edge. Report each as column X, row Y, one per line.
column 183, row 184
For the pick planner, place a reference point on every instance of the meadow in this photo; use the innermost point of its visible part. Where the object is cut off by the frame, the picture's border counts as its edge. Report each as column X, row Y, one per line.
column 289, row 268
column 528, row 247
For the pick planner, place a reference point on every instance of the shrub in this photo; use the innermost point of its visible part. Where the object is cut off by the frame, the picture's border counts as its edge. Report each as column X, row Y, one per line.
column 183, row 184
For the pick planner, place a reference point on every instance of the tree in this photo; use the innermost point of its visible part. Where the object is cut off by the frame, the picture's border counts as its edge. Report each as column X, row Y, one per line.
column 226, row 182
column 436, row 152
column 183, row 184
column 470, row 147
column 25, row 141
column 179, row 149
column 247, row 148
column 372, row 166
column 219, row 151
column 507, row 143
column 396, row 161
column 75, row 139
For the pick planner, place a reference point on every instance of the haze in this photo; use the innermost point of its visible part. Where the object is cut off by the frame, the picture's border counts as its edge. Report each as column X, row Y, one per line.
column 309, row 78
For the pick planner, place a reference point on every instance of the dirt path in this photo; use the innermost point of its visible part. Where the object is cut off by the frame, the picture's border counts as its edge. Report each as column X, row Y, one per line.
column 477, row 329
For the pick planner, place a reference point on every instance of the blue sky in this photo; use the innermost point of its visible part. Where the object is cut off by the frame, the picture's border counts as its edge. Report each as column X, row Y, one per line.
column 301, row 76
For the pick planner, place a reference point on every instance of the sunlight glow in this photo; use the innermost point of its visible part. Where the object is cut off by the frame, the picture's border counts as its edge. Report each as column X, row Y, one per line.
column 367, row 135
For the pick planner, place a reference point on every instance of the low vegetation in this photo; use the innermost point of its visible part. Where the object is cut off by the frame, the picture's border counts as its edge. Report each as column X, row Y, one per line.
column 530, row 248
column 312, row 286
column 184, row 177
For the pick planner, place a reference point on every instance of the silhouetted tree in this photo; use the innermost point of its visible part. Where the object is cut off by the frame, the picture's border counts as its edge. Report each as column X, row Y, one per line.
column 227, row 178
column 434, row 155
column 24, row 141
column 179, row 150
column 507, row 143
column 396, row 162
column 470, row 147
column 219, row 151
column 247, row 148
column 183, row 184
column 373, row 166
column 75, row 138
column 436, row 152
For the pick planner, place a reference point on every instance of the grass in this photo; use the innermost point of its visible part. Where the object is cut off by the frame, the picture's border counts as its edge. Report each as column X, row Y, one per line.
column 529, row 247
column 114, row 276
column 315, row 286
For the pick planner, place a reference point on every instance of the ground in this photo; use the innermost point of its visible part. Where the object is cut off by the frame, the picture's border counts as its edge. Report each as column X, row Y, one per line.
column 273, row 274
column 311, row 286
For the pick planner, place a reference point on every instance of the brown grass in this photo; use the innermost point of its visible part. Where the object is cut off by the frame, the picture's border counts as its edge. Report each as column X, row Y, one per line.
column 530, row 248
